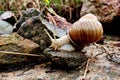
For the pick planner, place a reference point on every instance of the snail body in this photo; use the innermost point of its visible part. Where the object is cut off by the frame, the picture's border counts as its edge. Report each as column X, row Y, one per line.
column 84, row 31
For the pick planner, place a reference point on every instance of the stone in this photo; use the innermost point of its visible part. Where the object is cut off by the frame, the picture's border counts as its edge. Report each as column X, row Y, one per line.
column 33, row 29
column 65, row 59
column 5, row 28
column 115, row 57
column 9, row 17
column 105, row 10
column 17, row 44
column 26, row 14
column 119, row 9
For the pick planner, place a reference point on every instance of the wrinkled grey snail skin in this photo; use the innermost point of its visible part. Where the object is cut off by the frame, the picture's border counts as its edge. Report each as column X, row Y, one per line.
column 84, row 31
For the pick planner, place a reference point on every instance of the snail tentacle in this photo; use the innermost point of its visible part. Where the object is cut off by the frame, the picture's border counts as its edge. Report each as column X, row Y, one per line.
column 56, row 43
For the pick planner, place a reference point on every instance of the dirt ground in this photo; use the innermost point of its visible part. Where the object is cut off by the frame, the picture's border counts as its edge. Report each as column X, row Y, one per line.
column 99, row 67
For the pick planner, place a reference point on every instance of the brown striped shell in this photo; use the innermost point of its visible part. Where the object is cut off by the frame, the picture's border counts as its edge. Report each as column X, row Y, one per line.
column 86, row 30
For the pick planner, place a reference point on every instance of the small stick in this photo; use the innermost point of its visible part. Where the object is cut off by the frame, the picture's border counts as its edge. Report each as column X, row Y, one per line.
column 86, row 69
column 96, row 44
column 43, row 8
column 88, row 62
column 105, row 48
column 52, row 11
column 53, row 20
column 18, row 53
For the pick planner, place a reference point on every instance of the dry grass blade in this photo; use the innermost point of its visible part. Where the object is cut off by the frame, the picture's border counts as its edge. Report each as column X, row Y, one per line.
column 17, row 53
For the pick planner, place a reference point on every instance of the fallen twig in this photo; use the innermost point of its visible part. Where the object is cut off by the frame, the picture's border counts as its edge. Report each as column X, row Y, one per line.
column 50, row 16
column 18, row 53
column 105, row 48
column 86, row 69
column 90, row 59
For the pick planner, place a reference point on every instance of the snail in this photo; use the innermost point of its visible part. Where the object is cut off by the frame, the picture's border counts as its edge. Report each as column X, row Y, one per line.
column 84, row 31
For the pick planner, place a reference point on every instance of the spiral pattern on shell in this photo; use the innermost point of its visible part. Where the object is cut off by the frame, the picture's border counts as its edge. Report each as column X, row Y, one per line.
column 86, row 30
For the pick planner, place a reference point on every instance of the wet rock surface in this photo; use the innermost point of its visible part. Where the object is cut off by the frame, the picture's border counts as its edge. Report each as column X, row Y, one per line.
column 65, row 59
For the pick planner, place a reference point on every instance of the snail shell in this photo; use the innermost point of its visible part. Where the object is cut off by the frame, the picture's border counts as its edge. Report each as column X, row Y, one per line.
column 84, row 31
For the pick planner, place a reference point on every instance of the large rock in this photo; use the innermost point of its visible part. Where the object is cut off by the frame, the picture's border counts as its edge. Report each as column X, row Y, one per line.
column 119, row 9
column 105, row 10
column 9, row 17
column 65, row 59
column 5, row 28
column 26, row 14
column 33, row 29
column 16, row 44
